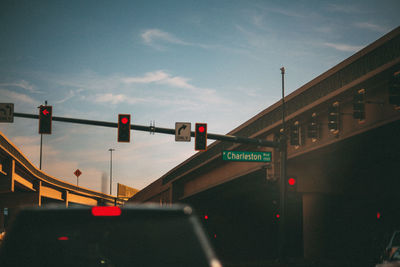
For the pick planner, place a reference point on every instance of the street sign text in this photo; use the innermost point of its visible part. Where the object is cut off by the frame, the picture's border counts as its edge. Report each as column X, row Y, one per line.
column 246, row 156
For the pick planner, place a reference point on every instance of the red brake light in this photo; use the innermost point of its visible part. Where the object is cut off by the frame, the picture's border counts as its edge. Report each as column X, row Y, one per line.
column 106, row 211
column 63, row 238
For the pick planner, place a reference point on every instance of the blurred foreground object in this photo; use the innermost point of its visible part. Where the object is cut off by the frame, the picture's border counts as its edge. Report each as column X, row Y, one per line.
column 140, row 235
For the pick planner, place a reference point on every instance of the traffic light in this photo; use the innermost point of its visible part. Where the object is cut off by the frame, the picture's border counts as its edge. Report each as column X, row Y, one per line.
column 292, row 184
column 359, row 105
column 201, row 137
column 124, row 128
column 394, row 90
column 275, row 210
column 295, row 134
column 45, row 119
column 312, row 129
column 333, row 117
column 291, row 188
column 273, row 192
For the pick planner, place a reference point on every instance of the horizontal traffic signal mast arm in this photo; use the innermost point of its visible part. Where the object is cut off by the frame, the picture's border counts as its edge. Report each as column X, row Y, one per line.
column 228, row 138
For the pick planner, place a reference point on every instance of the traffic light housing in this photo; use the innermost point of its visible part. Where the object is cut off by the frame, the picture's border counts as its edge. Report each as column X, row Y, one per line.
column 292, row 184
column 200, row 137
column 45, row 119
column 124, row 128
column 273, row 191
column 312, row 129
column 394, row 90
column 333, row 117
column 295, row 134
column 359, row 105
column 275, row 209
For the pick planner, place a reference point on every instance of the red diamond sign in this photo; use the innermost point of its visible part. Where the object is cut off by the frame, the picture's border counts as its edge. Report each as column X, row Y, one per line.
column 77, row 173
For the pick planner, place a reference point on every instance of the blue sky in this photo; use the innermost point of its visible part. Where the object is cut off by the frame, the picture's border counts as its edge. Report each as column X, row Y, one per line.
column 165, row 61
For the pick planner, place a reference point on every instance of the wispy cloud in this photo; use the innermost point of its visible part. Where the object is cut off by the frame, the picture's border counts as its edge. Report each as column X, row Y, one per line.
column 347, row 8
column 255, row 39
column 70, row 95
column 8, row 95
column 86, row 80
column 371, row 27
column 161, row 77
column 187, row 101
column 258, row 20
column 21, row 84
column 116, row 98
column 149, row 77
column 157, row 38
column 345, row 47
column 152, row 35
column 324, row 29
column 115, row 89
column 286, row 12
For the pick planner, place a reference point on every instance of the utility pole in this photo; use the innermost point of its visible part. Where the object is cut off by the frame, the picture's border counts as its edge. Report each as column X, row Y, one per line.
column 282, row 197
column 111, row 150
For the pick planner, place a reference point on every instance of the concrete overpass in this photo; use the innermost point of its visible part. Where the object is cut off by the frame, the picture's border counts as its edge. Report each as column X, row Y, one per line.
column 22, row 184
column 347, row 180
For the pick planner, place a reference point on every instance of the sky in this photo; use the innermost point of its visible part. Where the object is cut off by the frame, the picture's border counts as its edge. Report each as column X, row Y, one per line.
column 215, row 62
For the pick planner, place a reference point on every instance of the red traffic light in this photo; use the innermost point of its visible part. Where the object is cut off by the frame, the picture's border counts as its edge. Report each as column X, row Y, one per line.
column 124, row 128
column 291, row 185
column 200, row 143
column 291, row 181
column 45, row 119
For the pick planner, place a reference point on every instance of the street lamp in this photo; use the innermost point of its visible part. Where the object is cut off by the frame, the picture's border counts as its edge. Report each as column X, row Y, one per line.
column 111, row 150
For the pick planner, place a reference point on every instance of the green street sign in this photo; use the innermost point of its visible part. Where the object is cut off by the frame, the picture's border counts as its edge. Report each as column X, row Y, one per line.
column 246, row 156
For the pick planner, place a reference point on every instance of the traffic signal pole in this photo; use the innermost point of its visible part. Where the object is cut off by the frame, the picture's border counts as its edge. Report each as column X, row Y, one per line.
column 41, row 148
column 227, row 138
column 41, row 143
column 282, row 196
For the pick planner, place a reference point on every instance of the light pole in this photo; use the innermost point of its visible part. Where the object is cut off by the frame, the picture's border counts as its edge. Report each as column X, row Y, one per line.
column 282, row 197
column 111, row 150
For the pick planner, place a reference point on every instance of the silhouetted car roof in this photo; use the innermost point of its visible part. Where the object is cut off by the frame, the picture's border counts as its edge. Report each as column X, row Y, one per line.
column 107, row 236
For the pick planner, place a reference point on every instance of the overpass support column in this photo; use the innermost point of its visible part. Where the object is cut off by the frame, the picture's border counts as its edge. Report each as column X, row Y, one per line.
column 314, row 232
column 7, row 176
column 2, row 221
column 66, row 198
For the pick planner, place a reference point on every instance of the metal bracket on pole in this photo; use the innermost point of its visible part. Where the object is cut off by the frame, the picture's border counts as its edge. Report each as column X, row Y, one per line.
column 152, row 127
